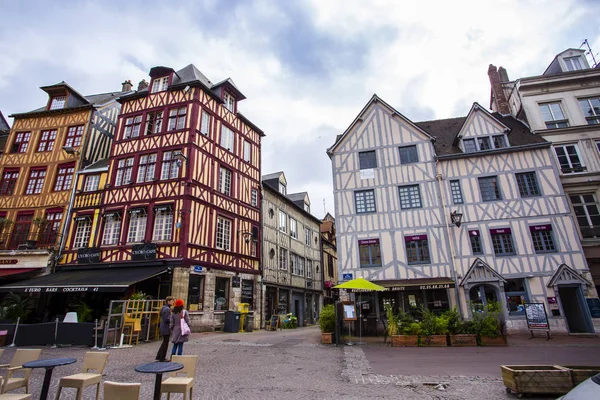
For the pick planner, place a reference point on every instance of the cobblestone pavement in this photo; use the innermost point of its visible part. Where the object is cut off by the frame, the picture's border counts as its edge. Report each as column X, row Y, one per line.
column 274, row 365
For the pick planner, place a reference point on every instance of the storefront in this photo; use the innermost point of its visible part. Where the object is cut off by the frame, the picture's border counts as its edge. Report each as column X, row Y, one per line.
column 304, row 304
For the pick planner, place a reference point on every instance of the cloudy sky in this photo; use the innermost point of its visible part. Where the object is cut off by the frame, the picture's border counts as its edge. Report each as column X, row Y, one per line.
column 306, row 67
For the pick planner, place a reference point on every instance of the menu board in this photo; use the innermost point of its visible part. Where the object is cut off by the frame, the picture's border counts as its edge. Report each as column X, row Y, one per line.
column 247, row 291
column 349, row 311
column 536, row 316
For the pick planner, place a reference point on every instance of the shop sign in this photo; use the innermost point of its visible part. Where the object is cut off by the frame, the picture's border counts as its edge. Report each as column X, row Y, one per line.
column 367, row 173
column 500, row 231
column 88, row 255
column 347, row 277
column 414, row 238
column 421, row 287
column 74, row 289
column 235, row 282
column 8, row 262
column 368, row 242
column 536, row 316
column 142, row 252
column 537, row 228
column 553, row 303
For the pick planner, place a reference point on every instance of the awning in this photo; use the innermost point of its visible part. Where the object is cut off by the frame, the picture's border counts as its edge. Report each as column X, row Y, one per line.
column 14, row 271
column 85, row 280
column 401, row 285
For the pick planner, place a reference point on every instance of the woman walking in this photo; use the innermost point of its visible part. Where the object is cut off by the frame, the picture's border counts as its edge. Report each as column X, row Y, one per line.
column 179, row 327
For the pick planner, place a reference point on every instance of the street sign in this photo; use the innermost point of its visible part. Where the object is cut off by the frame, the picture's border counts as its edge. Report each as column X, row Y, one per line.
column 197, row 268
column 347, row 277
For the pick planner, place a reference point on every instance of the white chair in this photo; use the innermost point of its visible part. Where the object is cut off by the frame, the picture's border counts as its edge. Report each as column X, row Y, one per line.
column 11, row 396
column 121, row 391
column 21, row 357
column 181, row 384
column 93, row 360
column 71, row 317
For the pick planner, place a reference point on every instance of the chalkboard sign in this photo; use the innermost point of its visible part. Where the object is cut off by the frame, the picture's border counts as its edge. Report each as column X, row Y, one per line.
column 247, row 291
column 536, row 316
column 594, row 306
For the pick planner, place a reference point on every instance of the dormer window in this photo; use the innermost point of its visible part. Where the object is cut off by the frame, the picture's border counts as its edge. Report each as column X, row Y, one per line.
column 282, row 189
column 469, row 145
column 160, row 84
column 229, row 102
column 484, row 143
column 58, row 102
column 306, row 207
column 499, row 141
column 573, row 63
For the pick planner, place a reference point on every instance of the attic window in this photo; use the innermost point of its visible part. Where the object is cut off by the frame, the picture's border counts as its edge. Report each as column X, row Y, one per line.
column 58, row 102
column 282, row 189
column 306, row 207
column 229, row 102
column 573, row 63
column 160, row 84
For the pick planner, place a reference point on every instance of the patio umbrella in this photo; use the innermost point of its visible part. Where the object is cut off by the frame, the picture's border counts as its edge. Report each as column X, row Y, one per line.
column 361, row 285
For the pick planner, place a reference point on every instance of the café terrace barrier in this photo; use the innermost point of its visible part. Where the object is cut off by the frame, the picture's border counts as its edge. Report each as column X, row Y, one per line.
column 125, row 315
column 50, row 334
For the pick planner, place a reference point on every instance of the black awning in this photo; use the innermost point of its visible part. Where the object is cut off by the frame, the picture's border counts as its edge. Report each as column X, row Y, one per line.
column 85, row 280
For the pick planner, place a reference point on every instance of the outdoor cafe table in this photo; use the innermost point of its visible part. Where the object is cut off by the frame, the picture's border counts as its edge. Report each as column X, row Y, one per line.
column 49, row 364
column 158, row 368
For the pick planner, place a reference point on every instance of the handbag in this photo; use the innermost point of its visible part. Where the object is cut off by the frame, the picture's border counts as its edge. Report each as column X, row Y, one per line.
column 185, row 328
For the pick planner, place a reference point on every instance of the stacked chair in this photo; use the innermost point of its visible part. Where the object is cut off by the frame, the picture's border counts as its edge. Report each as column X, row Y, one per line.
column 93, row 360
column 181, row 384
column 10, row 382
column 121, row 391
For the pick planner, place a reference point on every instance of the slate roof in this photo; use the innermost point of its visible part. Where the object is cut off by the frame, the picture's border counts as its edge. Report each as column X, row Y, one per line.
column 272, row 176
column 98, row 165
column 3, row 123
column 297, row 196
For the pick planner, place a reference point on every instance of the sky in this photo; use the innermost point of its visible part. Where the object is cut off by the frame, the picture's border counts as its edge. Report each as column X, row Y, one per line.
column 307, row 67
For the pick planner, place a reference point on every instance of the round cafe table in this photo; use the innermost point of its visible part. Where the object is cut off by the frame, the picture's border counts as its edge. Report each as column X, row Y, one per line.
column 49, row 364
column 158, row 368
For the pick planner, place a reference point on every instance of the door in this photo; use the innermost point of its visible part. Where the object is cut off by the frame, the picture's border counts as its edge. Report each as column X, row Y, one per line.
column 297, row 311
column 21, row 230
column 574, row 308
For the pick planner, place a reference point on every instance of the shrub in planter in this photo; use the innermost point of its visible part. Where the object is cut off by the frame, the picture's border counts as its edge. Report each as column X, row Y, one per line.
column 433, row 329
column 410, row 335
column 327, row 324
column 464, row 336
column 488, row 327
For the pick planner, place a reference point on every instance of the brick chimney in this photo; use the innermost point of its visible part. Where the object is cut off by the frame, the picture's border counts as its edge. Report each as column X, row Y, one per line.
column 500, row 103
column 503, row 75
column 127, row 86
column 142, row 85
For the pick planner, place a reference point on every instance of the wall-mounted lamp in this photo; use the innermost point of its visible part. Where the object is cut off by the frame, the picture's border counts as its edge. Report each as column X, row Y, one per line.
column 249, row 235
column 456, row 218
column 70, row 150
column 180, row 157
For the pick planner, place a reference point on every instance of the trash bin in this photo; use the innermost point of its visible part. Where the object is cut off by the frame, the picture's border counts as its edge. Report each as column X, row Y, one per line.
column 249, row 325
column 232, row 321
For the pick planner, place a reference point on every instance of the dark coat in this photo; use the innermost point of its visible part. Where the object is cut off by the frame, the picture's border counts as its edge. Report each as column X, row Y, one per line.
column 165, row 320
column 176, row 327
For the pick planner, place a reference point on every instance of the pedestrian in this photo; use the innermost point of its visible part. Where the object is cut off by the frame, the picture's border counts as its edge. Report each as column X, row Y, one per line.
column 164, row 328
column 179, row 325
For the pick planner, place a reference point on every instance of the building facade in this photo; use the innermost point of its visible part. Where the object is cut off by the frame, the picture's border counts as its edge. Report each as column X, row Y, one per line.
column 396, row 186
column 563, row 106
column 329, row 258
column 292, row 267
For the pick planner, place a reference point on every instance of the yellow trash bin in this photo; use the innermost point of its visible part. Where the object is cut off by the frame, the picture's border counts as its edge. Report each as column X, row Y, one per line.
column 243, row 308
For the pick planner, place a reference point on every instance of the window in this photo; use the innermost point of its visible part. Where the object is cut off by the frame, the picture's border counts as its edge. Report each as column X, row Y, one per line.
column 64, row 177
column 223, row 241
column 417, row 249
column 112, row 228
column 21, row 142
column 196, row 291
column 248, row 292
column 516, row 296
column 160, row 84
column 132, row 127
column 568, row 158
column 408, row 154
column 154, row 122
column 229, row 102
column 91, row 183
column 475, row 239
column 502, row 242
column 36, row 181
column 410, row 197
column 309, row 267
column 82, row 232
column 367, row 159
column 226, row 138
column 499, row 141
column 221, row 294
column 282, row 221
column 177, row 118
column 137, row 225
column 47, row 141
column 170, row 166
column 124, row 170
column 300, row 266
column 484, row 143
column 163, row 223
column 294, row 263
column 58, row 102
column 293, row 228
column 146, row 168
column 457, row 197
column 573, row 63
column 489, row 188
column 225, row 181
column 369, row 253
column 469, row 145
column 282, row 189
column 543, row 242
column 283, row 259
column 247, row 151
column 307, row 237
column 365, row 201
column 254, row 198
column 591, row 110
column 587, row 212
column 50, row 233
column 20, row 232
column 74, row 136
column 527, row 183
column 553, row 115
column 10, row 177
column 205, row 124
column 306, row 207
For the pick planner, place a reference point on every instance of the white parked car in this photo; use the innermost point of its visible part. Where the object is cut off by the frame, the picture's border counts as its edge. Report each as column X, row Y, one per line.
column 586, row 390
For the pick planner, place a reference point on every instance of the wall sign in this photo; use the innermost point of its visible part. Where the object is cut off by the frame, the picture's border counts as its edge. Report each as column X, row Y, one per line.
column 197, row 268
column 143, row 252
column 235, row 281
column 413, row 238
column 594, row 306
column 367, row 173
column 72, row 289
column 499, row 231
column 88, row 255
column 8, row 262
column 368, row 242
column 347, row 277
column 536, row 316
column 536, row 228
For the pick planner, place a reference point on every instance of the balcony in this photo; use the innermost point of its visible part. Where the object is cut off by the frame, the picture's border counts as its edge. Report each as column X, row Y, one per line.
column 87, row 200
column 29, row 241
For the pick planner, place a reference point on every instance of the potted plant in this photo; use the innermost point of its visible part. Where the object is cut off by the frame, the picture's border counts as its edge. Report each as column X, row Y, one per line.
column 460, row 333
column 434, row 330
column 487, row 325
column 4, row 223
column 408, row 332
column 327, row 324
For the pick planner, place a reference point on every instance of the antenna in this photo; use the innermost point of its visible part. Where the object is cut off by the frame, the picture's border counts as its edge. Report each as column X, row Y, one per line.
column 324, row 207
column 590, row 52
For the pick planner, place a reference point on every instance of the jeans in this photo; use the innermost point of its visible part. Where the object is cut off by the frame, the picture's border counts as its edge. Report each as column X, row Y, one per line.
column 164, row 346
column 177, row 347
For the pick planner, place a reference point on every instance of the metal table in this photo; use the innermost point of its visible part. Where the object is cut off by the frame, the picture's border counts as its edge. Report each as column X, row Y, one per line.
column 158, row 368
column 49, row 364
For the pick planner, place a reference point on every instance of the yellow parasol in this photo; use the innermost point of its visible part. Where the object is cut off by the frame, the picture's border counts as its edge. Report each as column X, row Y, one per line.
column 359, row 284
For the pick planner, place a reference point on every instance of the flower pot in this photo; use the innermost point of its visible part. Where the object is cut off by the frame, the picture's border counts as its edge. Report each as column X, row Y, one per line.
column 532, row 379
column 326, row 338
column 493, row 341
column 434, row 341
column 405, row 341
column 463, row 340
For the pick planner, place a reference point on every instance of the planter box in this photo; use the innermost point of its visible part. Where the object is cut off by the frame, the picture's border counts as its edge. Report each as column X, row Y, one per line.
column 405, row 341
column 493, row 341
column 580, row 373
column 327, row 338
column 531, row 379
column 463, row 340
column 434, row 341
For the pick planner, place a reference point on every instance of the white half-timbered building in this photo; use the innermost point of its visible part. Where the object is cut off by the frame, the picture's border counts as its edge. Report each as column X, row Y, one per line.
column 396, row 184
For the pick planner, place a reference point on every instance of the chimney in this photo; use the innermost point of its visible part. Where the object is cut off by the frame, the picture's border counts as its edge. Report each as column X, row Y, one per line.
column 500, row 103
column 142, row 85
column 503, row 75
column 127, row 86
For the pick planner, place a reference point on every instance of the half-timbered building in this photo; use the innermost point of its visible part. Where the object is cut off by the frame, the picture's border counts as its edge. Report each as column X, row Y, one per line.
column 292, row 273
column 329, row 257
column 398, row 188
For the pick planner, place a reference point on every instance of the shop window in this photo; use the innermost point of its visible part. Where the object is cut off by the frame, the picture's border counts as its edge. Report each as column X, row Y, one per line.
column 516, row 296
column 221, row 294
column 196, row 292
column 282, row 305
column 482, row 296
column 248, row 292
column 437, row 300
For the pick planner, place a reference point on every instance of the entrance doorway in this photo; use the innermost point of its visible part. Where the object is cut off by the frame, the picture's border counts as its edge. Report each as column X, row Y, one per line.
column 573, row 306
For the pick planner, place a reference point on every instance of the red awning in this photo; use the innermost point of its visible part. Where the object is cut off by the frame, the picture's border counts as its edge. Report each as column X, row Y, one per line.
column 13, row 271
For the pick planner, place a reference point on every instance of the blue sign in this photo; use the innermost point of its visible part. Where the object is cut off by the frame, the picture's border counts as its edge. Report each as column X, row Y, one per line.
column 197, row 268
column 346, row 277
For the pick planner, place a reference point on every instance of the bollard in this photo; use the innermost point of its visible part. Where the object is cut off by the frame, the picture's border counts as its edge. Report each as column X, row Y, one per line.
column 15, row 334
column 54, row 346
column 96, row 337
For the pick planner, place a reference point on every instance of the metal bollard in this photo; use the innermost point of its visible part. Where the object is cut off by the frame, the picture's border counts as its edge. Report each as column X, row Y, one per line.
column 54, row 346
column 15, row 334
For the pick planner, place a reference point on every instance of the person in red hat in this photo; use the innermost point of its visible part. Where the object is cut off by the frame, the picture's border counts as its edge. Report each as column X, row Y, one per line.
column 180, row 327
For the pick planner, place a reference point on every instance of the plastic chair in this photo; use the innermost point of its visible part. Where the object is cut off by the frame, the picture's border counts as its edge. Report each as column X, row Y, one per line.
column 21, row 357
column 11, row 396
column 71, row 317
column 93, row 360
column 121, row 391
column 181, row 384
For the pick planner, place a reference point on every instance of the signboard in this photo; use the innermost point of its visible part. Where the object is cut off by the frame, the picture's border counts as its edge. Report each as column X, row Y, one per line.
column 367, row 173
column 414, row 238
column 235, row 281
column 500, row 231
column 247, row 292
column 368, row 242
column 537, row 228
column 197, row 268
column 347, row 277
column 143, row 252
column 8, row 262
column 594, row 306
column 536, row 316
column 403, row 288
column 73, row 289
column 88, row 255
column 349, row 311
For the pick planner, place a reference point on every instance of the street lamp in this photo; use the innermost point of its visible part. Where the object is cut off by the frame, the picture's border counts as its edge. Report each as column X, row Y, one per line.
column 456, row 218
column 179, row 156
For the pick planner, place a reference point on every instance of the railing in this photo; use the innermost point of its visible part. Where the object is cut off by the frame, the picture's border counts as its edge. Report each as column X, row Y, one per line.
column 590, row 232
column 132, row 318
column 29, row 241
column 83, row 200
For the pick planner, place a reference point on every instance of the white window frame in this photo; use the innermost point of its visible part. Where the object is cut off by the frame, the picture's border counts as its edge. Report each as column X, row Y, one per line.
column 58, row 102
column 282, row 189
column 112, row 230
column 229, row 102
column 169, row 168
column 160, row 84
column 293, row 228
column 569, row 63
column 307, row 237
column 163, row 225
column 137, row 227
column 283, row 259
column 225, row 179
column 309, row 267
column 247, row 151
column 254, row 197
column 146, row 168
column 282, row 221
column 92, row 183
column 554, row 120
column 82, row 234
column 124, row 171
column 205, row 123
column 570, row 162
column 227, row 139
column 223, row 234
